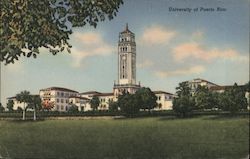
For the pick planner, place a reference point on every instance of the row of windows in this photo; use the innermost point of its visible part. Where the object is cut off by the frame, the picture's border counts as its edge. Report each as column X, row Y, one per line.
column 62, row 94
column 166, row 98
column 126, row 39
column 58, row 107
column 104, row 100
column 126, row 49
column 62, row 100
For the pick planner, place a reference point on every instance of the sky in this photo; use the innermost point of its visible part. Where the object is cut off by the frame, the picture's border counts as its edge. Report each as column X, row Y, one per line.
column 172, row 46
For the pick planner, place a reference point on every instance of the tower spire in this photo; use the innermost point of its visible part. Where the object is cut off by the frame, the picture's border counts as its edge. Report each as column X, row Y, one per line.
column 126, row 26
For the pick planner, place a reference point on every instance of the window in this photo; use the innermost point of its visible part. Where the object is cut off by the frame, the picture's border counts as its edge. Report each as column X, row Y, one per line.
column 57, row 100
column 62, row 101
column 57, row 107
column 67, row 101
column 62, row 107
column 62, row 94
column 58, row 93
column 159, row 97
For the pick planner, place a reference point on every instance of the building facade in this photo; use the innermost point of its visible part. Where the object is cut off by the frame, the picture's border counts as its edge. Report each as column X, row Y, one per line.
column 81, row 102
column 193, row 84
column 164, row 100
column 58, row 96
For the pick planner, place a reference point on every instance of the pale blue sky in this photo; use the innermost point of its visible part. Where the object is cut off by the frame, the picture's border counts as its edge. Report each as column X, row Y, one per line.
column 171, row 47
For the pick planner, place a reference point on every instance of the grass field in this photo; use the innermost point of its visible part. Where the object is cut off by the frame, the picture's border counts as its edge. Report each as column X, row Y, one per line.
column 207, row 137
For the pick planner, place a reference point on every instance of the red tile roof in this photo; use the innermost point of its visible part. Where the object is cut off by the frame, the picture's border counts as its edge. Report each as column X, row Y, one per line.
column 105, row 94
column 91, row 92
column 162, row 92
column 58, row 89
column 79, row 97
column 216, row 88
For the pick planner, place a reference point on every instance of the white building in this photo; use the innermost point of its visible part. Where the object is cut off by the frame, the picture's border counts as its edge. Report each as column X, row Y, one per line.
column 105, row 99
column 193, row 84
column 58, row 96
column 164, row 100
column 81, row 102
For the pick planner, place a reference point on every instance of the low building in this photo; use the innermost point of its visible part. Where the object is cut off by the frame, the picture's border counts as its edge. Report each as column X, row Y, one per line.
column 81, row 102
column 17, row 104
column 164, row 100
column 58, row 96
column 105, row 99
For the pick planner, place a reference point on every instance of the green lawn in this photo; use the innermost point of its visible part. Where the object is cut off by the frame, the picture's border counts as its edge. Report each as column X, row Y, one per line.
column 142, row 138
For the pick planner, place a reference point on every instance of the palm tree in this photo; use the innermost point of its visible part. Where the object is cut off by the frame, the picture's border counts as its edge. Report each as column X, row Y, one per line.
column 25, row 98
column 35, row 103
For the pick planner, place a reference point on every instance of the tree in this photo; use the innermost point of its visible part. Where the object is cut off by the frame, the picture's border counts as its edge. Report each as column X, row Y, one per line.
column 94, row 103
column 25, row 98
column 113, row 106
column 35, row 104
column 73, row 108
column 10, row 105
column 1, row 108
column 204, row 99
column 129, row 104
column 19, row 109
column 183, row 105
column 47, row 105
column 29, row 25
column 146, row 98
column 233, row 99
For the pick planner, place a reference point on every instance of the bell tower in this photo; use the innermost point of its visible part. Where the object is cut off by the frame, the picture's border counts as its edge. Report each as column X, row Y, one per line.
column 126, row 63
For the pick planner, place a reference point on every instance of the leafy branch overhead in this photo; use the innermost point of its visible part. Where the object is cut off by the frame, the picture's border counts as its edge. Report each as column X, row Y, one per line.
column 27, row 25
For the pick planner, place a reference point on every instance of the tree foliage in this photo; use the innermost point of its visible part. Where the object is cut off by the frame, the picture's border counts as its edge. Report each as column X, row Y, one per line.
column 1, row 108
column 233, row 99
column 47, row 105
column 113, row 106
column 205, row 99
column 73, row 108
column 146, row 98
column 25, row 98
column 94, row 103
column 35, row 102
column 27, row 25
column 129, row 104
column 183, row 105
column 10, row 105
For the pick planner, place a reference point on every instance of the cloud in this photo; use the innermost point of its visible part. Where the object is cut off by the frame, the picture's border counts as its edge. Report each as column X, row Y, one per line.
column 89, row 38
column 197, row 35
column 89, row 44
column 157, row 35
column 186, row 71
column 199, row 52
column 145, row 63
